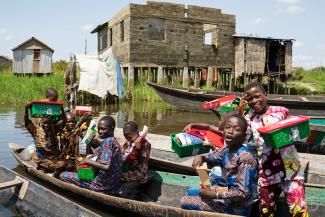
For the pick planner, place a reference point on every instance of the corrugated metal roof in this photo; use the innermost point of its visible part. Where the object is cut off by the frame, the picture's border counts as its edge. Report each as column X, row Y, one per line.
column 29, row 40
column 260, row 37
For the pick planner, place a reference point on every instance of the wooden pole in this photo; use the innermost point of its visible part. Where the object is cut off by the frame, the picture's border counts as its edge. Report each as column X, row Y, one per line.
column 131, row 77
column 160, row 76
column 185, row 77
column 209, row 77
column 196, row 78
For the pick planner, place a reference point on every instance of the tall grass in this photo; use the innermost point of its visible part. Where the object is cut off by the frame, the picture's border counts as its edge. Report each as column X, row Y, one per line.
column 311, row 76
column 18, row 89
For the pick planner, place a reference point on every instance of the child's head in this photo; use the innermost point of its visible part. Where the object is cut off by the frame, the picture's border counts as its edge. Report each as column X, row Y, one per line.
column 106, row 127
column 52, row 94
column 235, row 130
column 224, row 119
column 71, row 121
column 256, row 97
column 130, row 131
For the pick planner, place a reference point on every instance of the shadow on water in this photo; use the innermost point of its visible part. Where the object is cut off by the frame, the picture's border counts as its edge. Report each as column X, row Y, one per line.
column 161, row 118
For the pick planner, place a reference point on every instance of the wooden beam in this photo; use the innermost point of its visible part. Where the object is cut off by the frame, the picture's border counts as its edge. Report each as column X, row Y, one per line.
column 9, row 184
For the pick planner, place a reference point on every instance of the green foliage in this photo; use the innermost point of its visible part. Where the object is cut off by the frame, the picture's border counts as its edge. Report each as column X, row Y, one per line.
column 142, row 92
column 314, row 77
column 6, row 68
column 59, row 67
column 18, row 89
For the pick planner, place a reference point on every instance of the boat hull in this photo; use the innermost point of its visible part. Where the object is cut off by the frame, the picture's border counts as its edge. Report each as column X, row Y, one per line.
column 191, row 99
column 38, row 201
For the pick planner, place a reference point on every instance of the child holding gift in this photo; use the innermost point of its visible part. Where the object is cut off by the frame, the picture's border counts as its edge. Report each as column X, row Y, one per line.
column 279, row 169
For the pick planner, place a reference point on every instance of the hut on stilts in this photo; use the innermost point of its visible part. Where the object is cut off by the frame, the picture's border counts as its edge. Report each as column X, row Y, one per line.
column 32, row 57
column 262, row 57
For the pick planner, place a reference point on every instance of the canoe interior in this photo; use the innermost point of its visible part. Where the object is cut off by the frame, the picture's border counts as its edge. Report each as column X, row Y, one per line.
column 38, row 201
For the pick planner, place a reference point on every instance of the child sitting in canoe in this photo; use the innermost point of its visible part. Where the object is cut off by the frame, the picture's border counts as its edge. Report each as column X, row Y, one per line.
column 239, row 168
column 279, row 169
column 108, row 162
column 136, row 153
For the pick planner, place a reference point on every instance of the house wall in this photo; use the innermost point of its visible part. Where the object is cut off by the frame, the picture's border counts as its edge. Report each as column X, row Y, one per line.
column 23, row 62
column 183, row 43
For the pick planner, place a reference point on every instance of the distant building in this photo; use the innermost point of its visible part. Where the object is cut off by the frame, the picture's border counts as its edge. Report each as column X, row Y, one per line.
column 5, row 60
column 169, row 35
column 32, row 57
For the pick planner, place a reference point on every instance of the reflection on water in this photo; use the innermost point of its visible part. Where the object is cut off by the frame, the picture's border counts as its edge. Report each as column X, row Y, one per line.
column 161, row 118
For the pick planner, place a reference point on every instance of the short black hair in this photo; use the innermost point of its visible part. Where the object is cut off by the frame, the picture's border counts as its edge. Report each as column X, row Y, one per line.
column 51, row 90
column 254, row 84
column 131, row 126
column 241, row 119
column 109, row 121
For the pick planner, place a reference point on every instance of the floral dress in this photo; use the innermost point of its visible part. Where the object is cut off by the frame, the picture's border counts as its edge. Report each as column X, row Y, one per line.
column 107, row 182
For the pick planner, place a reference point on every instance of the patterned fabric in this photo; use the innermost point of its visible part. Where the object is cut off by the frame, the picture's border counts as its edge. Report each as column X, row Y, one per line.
column 295, row 195
column 187, row 139
column 240, row 174
column 137, row 164
column 108, row 182
column 46, row 143
column 195, row 202
column 275, row 165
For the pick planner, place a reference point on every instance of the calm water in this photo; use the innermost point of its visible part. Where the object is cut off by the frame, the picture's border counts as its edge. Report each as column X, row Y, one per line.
column 160, row 118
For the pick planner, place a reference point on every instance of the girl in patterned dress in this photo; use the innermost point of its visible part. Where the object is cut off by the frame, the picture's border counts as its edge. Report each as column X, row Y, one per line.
column 108, row 162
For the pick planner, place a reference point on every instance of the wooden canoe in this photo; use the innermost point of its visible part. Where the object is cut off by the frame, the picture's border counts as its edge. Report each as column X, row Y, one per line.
column 189, row 99
column 158, row 198
column 161, row 195
column 31, row 199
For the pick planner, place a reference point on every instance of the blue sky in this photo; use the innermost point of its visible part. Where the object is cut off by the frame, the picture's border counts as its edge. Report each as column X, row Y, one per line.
column 65, row 24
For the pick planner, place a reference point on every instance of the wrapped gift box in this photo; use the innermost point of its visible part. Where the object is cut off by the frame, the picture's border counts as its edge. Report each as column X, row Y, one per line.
column 41, row 108
column 285, row 132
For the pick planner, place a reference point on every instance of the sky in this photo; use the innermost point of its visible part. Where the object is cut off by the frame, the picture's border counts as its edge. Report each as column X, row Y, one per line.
column 64, row 25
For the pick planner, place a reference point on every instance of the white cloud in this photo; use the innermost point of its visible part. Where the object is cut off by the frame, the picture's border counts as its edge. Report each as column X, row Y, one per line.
column 2, row 31
column 321, row 46
column 289, row 1
column 298, row 44
column 7, row 38
column 295, row 9
column 87, row 27
column 258, row 20
column 307, row 62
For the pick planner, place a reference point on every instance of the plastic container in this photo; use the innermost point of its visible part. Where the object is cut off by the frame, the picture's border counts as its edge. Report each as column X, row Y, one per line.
column 41, row 108
column 188, row 150
column 215, row 138
column 226, row 100
column 85, row 172
column 286, row 132
column 81, row 111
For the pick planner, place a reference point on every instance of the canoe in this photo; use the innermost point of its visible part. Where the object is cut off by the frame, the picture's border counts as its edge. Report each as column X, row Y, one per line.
column 32, row 199
column 157, row 198
column 189, row 99
column 161, row 195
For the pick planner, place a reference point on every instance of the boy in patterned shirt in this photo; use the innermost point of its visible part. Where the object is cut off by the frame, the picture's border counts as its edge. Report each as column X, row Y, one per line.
column 279, row 169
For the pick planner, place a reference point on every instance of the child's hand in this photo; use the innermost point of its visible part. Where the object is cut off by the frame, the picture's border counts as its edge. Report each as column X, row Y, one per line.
column 28, row 104
column 198, row 161
column 206, row 192
column 137, row 143
column 187, row 128
column 210, row 145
